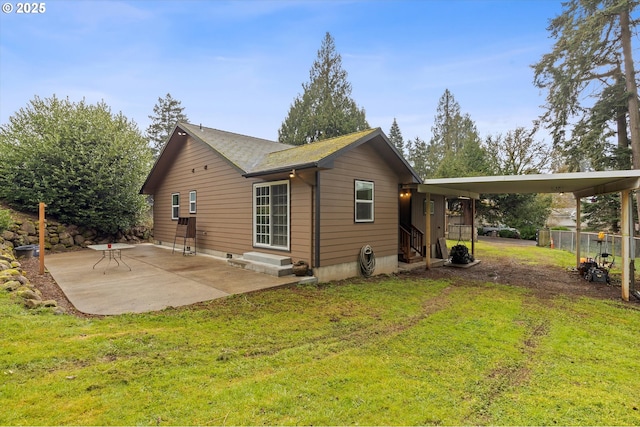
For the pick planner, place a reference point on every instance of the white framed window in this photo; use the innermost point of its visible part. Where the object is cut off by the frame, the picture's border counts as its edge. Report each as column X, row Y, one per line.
column 271, row 215
column 192, row 202
column 175, row 205
column 364, row 201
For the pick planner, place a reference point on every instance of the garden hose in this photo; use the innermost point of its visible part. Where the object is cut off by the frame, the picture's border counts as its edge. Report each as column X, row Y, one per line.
column 367, row 261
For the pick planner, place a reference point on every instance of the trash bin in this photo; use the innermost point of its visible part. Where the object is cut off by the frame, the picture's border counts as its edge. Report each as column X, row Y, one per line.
column 544, row 237
column 25, row 251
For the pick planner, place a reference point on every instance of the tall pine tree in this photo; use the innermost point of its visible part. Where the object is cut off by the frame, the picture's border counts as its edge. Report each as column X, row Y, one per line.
column 325, row 109
column 455, row 147
column 166, row 113
column 592, row 91
column 418, row 153
column 395, row 136
column 591, row 86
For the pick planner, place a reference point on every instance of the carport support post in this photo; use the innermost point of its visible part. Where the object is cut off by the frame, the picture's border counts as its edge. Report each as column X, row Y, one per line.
column 427, row 229
column 578, row 229
column 627, row 233
column 473, row 227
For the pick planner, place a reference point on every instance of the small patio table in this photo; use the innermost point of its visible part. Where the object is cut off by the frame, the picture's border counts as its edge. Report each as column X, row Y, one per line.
column 112, row 251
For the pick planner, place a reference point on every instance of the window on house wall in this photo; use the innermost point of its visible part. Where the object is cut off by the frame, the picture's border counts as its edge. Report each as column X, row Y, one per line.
column 192, row 202
column 364, row 201
column 271, row 215
column 175, row 205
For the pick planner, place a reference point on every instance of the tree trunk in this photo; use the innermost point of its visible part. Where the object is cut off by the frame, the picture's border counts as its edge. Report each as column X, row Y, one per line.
column 632, row 89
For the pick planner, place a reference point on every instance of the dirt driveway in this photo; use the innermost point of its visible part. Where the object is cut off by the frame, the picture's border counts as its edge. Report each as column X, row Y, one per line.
column 545, row 281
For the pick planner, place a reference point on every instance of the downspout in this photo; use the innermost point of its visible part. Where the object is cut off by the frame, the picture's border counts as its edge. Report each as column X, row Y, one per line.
column 316, row 261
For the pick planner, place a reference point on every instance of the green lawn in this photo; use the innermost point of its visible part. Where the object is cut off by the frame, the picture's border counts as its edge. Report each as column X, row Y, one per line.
column 392, row 351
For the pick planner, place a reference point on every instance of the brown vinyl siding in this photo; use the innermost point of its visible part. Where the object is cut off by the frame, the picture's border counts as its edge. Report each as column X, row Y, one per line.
column 341, row 237
column 224, row 204
column 300, row 221
column 224, row 199
column 437, row 219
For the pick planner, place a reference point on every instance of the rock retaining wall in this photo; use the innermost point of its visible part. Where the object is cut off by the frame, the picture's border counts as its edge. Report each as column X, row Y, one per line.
column 13, row 279
column 59, row 237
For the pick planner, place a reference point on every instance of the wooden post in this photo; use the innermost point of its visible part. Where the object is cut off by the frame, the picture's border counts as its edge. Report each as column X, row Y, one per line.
column 427, row 230
column 627, row 234
column 41, row 242
column 473, row 226
column 578, row 230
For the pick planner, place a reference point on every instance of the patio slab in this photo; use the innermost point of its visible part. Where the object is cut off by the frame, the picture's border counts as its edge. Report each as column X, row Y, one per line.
column 158, row 279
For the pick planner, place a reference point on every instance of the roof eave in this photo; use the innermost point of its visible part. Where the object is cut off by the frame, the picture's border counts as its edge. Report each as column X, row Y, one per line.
column 155, row 164
column 282, row 169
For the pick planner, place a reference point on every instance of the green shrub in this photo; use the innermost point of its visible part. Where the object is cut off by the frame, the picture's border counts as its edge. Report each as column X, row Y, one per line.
column 528, row 232
column 5, row 219
column 86, row 163
column 509, row 234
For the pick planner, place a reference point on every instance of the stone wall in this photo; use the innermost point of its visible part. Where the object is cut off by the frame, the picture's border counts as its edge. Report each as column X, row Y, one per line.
column 14, row 280
column 57, row 237
column 60, row 237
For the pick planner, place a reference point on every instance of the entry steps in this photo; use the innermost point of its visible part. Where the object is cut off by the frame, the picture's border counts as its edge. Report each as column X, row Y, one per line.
column 274, row 265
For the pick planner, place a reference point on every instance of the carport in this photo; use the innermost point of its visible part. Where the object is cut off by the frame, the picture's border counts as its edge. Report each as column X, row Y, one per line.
column 581, row 184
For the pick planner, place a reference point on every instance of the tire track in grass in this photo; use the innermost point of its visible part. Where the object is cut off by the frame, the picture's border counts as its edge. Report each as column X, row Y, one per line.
column 508, row 376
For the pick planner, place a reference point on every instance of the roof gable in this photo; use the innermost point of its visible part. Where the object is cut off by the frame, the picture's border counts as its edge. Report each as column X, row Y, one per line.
column 257, row 157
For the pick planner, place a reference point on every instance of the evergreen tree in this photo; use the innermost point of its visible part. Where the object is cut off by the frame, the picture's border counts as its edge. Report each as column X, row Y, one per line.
column 455, row 148
column 166, row 113
column 602, row 212
column 395, row 136
column 592, row 91
column 325, row 109
column 418, row 152
column 86, row 163
column 590, row 81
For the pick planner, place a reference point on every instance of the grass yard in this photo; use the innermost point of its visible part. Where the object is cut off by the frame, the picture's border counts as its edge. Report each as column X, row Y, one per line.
column 399, row 350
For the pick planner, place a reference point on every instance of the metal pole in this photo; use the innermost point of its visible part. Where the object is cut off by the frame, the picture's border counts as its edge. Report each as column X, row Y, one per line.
column 41, row 240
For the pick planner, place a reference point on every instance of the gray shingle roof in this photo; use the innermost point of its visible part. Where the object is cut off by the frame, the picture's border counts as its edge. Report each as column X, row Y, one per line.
column 242, row 151
column 307, row 154
column 257, row 156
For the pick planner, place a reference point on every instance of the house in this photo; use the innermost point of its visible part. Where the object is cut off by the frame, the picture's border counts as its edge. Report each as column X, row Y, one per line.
column 321, row 203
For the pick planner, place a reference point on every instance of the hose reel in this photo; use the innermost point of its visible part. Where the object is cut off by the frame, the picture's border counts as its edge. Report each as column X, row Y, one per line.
column 367, row 261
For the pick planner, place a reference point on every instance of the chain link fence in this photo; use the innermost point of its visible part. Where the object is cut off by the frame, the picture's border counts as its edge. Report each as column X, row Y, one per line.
column 590, row 245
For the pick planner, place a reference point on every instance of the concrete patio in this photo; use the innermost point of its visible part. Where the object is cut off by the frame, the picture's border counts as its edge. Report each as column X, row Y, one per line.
column 158, row 279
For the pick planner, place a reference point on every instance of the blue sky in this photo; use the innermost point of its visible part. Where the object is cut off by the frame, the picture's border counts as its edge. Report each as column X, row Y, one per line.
column 238, row 66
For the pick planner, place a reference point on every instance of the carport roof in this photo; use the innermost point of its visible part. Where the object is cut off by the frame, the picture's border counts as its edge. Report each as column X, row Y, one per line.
column 581, row 184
